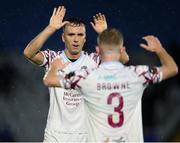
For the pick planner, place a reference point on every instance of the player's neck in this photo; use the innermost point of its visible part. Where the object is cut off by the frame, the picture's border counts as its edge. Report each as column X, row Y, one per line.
column 71, row 56
column 109, row 57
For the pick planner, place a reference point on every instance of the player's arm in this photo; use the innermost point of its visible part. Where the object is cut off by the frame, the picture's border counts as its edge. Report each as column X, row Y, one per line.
column 99, row 23
column 52, row 77
column 168, row 66
column 124, row 58
column 31, row 51
column 55, row 77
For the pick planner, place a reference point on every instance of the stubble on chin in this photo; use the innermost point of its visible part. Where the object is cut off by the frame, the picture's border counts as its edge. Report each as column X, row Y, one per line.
column 75, row 52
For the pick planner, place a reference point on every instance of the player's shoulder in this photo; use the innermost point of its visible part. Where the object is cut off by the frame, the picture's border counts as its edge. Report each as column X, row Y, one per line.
column 89, row 54
column 51, row 52
column 49, row 55
column 142, row 70
column 137, row 69
column 92, row 56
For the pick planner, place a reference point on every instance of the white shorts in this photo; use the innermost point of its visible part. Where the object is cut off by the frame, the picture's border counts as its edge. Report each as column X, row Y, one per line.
column 58, row 136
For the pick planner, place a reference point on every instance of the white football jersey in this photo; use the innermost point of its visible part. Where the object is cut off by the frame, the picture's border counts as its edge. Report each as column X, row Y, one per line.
column 66, row 111
column 112, row 96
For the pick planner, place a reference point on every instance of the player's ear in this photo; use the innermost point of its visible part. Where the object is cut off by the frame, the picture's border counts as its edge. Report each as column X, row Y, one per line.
column 85, row 38
column 122, row 49
column 97, row 50
column 62, row 36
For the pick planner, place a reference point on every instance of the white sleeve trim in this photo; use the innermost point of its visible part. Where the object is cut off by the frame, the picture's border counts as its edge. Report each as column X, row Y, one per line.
column 44, row 61
column 161, row 76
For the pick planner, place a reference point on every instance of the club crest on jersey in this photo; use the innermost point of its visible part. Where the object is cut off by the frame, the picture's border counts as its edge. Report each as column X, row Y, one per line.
column 84, row 67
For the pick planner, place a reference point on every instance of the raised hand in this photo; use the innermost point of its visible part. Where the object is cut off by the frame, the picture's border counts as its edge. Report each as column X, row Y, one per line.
column 168, row 65
column 99, row 23
column 153, row 44
column 56, row 20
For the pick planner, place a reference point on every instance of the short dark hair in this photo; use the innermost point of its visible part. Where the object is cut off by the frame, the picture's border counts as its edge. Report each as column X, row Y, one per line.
column 74, row 21
column 110, row 36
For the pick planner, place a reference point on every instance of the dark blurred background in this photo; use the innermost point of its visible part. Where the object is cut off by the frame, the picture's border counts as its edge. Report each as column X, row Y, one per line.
column 24, row 101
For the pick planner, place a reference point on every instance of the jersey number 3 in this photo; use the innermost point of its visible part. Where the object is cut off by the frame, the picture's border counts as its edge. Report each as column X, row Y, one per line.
column 117, row 109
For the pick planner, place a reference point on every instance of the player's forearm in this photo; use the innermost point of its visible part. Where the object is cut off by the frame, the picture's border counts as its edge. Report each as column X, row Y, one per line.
column 36, row 44
column 168, row 65
column 51, row 79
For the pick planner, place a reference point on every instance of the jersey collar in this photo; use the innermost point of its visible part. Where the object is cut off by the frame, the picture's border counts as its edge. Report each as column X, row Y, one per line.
column 67, row 59
column 110, row 64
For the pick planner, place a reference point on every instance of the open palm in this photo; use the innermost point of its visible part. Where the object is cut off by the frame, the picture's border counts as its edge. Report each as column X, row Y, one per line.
column 153, row 43
column 56, row 20
column 99, row 23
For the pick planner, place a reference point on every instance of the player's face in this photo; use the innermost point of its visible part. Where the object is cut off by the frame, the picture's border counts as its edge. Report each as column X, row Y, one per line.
column 74, row 38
